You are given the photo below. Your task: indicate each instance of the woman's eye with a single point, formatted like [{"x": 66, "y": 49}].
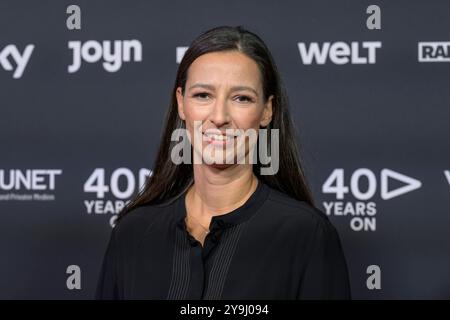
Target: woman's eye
[
  {"x": 201, "y": 95},
  {"x": 244, "y": 99}
]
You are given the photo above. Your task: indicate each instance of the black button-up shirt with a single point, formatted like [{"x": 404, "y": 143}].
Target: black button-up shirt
[{"x": 272, "y": 247}]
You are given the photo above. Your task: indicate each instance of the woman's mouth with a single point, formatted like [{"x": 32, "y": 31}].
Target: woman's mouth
[{"x": 218, "y": 139}]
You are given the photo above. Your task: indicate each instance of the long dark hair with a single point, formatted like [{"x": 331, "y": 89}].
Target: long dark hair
[{"x": 169, "y": 180}]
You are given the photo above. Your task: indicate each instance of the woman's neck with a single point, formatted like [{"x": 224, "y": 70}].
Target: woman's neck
[{"x": 216, "y": 192}]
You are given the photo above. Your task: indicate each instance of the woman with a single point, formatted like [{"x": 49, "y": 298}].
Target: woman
[{"x": 220, "y": 230}]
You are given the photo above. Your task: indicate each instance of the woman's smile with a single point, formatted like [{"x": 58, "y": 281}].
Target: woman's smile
[{"x": 219, "y": 139}]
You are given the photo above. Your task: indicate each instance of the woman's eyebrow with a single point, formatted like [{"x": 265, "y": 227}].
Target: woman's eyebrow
[
  {"x": 202, "y": 85},
  {"x": 239, "y": 88},
  {"x": 211, "y": 87}
]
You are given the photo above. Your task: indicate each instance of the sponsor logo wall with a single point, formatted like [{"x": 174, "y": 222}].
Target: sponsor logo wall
[{"x": 85, "y": 86}]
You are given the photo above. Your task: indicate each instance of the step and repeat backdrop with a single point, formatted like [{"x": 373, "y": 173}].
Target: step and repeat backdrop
[{"x": 84, "y": 87}]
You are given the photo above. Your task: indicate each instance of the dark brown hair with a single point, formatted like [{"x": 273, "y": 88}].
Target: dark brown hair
[{"x": 169, "y": 180}]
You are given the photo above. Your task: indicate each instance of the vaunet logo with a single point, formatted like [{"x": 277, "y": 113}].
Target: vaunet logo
[{"x": 28, "y": 185}]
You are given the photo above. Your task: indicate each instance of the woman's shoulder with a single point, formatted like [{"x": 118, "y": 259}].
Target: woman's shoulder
[
  {"x": 299, "y": 214},
  {"x": 139, "y": 220}
]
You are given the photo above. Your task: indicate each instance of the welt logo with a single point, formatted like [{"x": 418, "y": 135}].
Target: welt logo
[{"x": 339, "y": 52}]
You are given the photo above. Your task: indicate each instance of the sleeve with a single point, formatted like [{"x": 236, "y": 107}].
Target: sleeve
[
  {"x": 107, "y": 281},
  {"x": 325, "y": 273}
]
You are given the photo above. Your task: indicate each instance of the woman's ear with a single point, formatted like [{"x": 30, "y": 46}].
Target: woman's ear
[
  {"x": 179, "y": 94},
  {"x": 267, "y": 113}
]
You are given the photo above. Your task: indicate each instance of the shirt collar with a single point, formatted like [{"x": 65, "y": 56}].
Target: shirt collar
[{"x": 234, "y": 217}]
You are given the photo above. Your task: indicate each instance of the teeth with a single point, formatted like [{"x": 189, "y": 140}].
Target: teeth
[{"x": 219, "y": 137}]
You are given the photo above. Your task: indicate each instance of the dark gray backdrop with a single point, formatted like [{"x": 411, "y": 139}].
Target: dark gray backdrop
[{"x": 393, "y": 114}]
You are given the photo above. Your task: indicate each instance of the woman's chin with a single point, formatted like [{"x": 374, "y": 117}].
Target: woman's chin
[
  {"x": 217, "y": 163},
  {"x": 221, "y": 166}
]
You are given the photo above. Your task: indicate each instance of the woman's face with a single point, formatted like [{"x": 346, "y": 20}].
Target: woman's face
[{"x": 223, "y": 91}]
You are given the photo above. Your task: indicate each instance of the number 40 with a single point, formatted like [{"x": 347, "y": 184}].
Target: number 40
[
  {"x": 96, "y": 182},
  {"x": 335, "y": 184}
]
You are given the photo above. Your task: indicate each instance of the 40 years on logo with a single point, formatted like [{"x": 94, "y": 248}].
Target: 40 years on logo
[
  {"x": 112, "y": 190},
  {"x": 363, "y": 211}
]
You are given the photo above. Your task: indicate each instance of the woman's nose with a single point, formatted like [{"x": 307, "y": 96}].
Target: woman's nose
[{"x": 220, "y": 113}]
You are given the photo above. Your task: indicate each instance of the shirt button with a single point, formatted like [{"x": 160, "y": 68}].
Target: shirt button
[{"x": 194, "y": 243}]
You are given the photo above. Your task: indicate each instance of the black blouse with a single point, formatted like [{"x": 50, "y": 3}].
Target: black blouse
[{"x": 272, "y": 247}]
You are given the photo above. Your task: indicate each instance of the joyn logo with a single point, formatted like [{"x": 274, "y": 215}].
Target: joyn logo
[
  {"x": 339, "y": 52},
  {"x": 434, "y": 51},
  {"x": 21, "y": 60},
  {"x": 92, "y": 51}
]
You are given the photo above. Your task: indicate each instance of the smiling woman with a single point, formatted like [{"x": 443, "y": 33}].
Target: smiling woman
[
  {"x": 215, "y": 230},
  {"x": 223, "y": 93}
]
